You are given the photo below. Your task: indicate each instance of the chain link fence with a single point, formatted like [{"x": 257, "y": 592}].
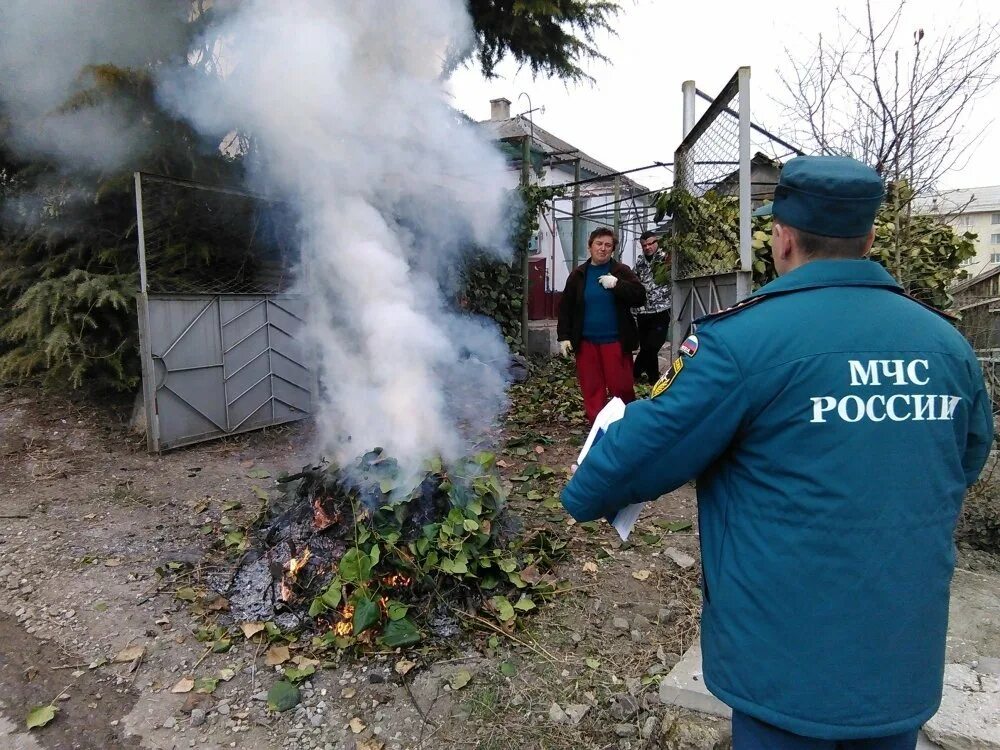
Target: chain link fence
[
  {"x": 712, "y": 164},
  {"x": 200, "y": 239}
]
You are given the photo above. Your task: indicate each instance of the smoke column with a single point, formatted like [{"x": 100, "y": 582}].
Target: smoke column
[{"x": 391, "y": 186}]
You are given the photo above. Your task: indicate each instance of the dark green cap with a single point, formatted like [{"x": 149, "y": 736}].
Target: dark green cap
[{"x": 832, "y": 196}]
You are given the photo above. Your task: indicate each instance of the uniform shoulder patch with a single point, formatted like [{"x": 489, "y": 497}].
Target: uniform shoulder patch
[
  {"x": 668, "y": 378},
  {"x": 690, "y": 346},
  {"x": 738, "y": 307}
]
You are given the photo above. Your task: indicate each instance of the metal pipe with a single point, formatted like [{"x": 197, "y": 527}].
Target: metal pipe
[
  {"x": 525, "y": 265},
  {"x": 577, "y": 223},
  {"x": 744, "y": 278}
]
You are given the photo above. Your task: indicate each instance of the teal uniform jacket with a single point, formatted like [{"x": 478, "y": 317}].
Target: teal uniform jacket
[{"x": 833, "y": 425}]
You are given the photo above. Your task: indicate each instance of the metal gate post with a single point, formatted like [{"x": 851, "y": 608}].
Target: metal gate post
[
  {"x": 744, "y": 279},
  {"x": 677, "y": 333},
  {"x": 145, "y": 354}
]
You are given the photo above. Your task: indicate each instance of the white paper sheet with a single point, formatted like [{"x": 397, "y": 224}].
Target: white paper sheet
[{"x": 614, "y": 410}]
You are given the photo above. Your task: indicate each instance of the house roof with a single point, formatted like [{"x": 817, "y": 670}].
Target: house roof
[
  {"x": 518, "y": 127},
  {"x": 963, "y": 200},
  {"x": 967, "y": 284}
]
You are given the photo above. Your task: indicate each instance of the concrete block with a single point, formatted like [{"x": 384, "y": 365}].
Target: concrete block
[
  {"x": 969, "y": 717},
  {"x": 542, "y": 337},
  {"x": 685, "y": 688}
]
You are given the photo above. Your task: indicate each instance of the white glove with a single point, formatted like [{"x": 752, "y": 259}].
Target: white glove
[
  {"x": 566, "y": 348},
  {"x": 608, "y": 281}
]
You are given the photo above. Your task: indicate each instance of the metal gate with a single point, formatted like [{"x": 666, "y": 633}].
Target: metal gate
[
  {"x": 219, "y": 336},
  {"x": 714, "y": 155}
]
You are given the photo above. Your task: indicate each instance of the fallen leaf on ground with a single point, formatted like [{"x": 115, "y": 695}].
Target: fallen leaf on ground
[
  {"x": 227, "y": 674},
  {"x": 348, "y": 693},
  {"x": 219, "y": 604},
  {"x": 590, "y": 567},
  {"x": 356, "y": 725},
  {"x": 282, "y": 696},
  {"x": 403, "y": 666},
  {"x": 40, "y": 716},
  {"x": 131, "y": 653},
  {"x": 184, "y": 685},
  {"x": 371, "y": 745},
  {"x": 593, "y": 663},
  {"x": 205, "y": 685},
  {"x": 304, "y": 661},
  {"x": 640, "y": 575},
  {"x": 250, "y": 629},
  {"x": 276, "y": 655},
  {"x": 460, "y": 679}
]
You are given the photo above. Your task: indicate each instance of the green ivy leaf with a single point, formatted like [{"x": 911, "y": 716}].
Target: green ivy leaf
[
  {"x": 205, "y": 685},
  {"x": 524, "y": 604},
  {"x": 282, "y": 696},
  {"x": 366, "y": 614},
  {"x": 401, "y": 632},
  {"x": 397, "y": 610},
  {"x": 460, "y": 679},
  {"x": 39, "y": 716},
  {"x": 355, "y": 566},
  {"x": 297, "y": 675},
  {"x": 504, "y": 609},
  {"x": 334, "y": 593}
]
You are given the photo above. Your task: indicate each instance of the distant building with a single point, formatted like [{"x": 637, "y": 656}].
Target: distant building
[
  {"x": 977, "y": 301},
  {"x": 764, "y": 174},
  {"x": 555, "y": 160},
  {"x": 975, "y": 210}
]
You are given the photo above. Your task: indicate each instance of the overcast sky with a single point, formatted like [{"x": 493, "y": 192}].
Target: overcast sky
[{"x": 631, "y": 115}]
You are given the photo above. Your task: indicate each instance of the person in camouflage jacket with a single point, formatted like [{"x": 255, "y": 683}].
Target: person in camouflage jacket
[{"x": 653, "y": 318}]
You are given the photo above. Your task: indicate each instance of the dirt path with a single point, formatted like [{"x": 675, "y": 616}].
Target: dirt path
[{"x": 89, "y": 517}]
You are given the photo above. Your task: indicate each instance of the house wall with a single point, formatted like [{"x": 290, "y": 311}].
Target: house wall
[{"x": 985, "y": 224}]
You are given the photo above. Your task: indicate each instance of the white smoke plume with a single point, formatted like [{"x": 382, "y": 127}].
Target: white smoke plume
[
  {"x": 45, "y": 45},
  {"x": 345, "y": 102}
]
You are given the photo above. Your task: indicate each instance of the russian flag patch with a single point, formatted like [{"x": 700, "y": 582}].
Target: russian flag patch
[{"x": 690, "y": 346}]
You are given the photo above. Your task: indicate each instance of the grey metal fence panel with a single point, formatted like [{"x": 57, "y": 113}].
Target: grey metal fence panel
[
  {"x": 703, "y": 296},
  {"x": 222, "y": 367},
  {"x": 714, "y": 156},
  {"x": 216, "y": 361}
]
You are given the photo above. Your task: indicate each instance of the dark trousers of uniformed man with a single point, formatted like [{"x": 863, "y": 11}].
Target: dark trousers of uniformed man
[{"x": 653, "y": 329}]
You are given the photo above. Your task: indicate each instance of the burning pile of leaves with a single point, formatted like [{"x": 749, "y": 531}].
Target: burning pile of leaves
[{"x": 361, "y": 555}]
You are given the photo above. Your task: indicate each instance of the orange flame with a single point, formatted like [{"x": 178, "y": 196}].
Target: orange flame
[
  {"x": 294, "y": 565},
  {"x": 397, "y": 580},
  {"x": 346, "y": 626},
  {"x": 321, "y": 519},
  {"x": 292, "y": 568}
]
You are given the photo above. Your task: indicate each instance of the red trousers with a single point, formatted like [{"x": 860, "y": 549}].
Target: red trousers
[{"x": 604, "y": 371}]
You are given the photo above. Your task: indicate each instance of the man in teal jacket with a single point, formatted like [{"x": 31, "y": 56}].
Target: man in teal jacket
[{"x": 833, "y": 425}]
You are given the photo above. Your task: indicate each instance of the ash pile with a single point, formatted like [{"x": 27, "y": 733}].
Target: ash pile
[{"x": 361, "y": 555}]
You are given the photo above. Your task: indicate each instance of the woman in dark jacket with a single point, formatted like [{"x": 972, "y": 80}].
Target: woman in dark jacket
[{"x": 596, "y": 322}]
